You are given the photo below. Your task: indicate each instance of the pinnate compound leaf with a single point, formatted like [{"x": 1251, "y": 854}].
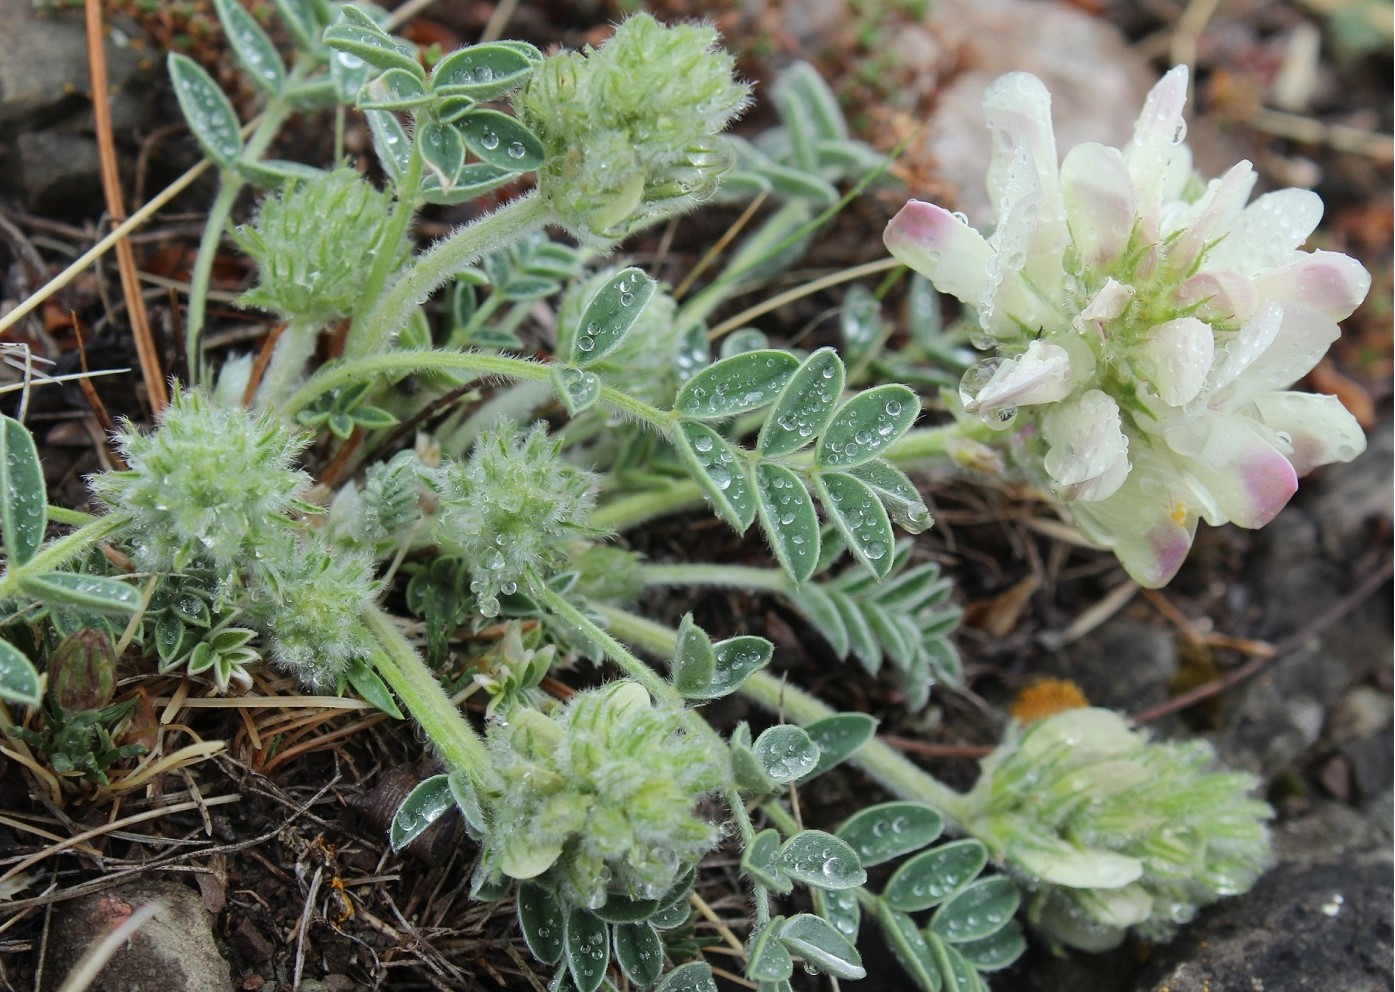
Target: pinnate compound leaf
[
  {"x": 424, "y": 805},
  {"x": 540, "y": 919},
  {"x": 587, "y": 949},
  {"x": 996, "y": 951},
  {"x": 206, "y": 109},
  {"x": 695, "y": 977},
  {"x": 838, "y": 737},
  {"x": 978, "y": 910},
  {"x": 88, "y": 593},
  {"x": 721, "y": 472},
  {"x": 735, "y": 385},
  {"x": 788, "y": 518},
  {"x": 19, "y": 680},
  {"x": 501, "y": 141},
  {"x": 610, "y": 314},
  {"x": 251, "y": 46},
  {"x": 866, "y": 425},
  {"x": 909, "y": 946},
  {"x": 821, "y": 860},
  {"x": 860, "y": 518},
  {"x": 931, "y": 877},
  {"x": 767, "y": 960},
  {"x": 640, "y": 952},
  {"x": 484, "y": 72},
  {"x": 821, "y": 946},
  {"x": 886, "y": 831},
  {"x": 23, "y": 495},
  {"x": 786, "y": 753},
  {"x": 805, "y": 406}
]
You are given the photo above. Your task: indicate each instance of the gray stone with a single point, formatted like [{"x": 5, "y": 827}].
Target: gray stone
[
  {"x": 173, "y": 950},
  {"x": 53, "y": 171}
]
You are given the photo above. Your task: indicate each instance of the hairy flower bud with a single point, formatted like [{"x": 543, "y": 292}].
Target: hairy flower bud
[
  {"x": 598, "y": 800},
  {"x": 630, "y": 128},
  {"x": 82, "y": 670},
  {"x": 1112, "y": 831}
]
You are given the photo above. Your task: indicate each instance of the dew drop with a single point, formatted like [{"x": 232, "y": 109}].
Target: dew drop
[{"x": 489, "y": 140}]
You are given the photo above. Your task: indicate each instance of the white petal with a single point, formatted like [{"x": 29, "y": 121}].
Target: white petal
[
  {"x": 1086, "y": 445},
  {"x": 1331, "y": 283},
  {"x": 1210, "y": 218},
  {"x": 1245, "y": 348},
  {"x": 1017, "y": 109},
  {"x": 1268, "y": 231},
  {"x": 1176, "y": 358},
  {"x": 1303, "y": 337},
  {"x": 1222, "y": 296},
  {"x": 1159, "y": 131},
  {"x": 1042, "y": 374},
  {"x": 1320, "y": 430},
  {"x": 1098, "y": 198},
  {"x": 1147, "y": 523},
  {"x": 944, "y": 249},
  {"x": 1245, "y": 479}
]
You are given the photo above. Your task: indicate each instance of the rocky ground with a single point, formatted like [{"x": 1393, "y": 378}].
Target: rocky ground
[{"x": 273, "y": 867}]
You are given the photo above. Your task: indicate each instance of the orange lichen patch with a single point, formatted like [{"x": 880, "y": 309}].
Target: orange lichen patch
[{"x": 1045, "y": 697}]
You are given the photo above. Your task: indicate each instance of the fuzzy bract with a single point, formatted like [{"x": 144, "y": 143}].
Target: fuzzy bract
[{"x": 1146, "y": 326}]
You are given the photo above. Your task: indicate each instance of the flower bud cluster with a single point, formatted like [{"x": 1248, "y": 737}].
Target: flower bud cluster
[
  {"x": 1146, "y": 325},
  {"x": 598, "y": 799},
  {"x": 630, "y": 128},
  {"x": 1112, "y": 831},
  {"x": 511, "y": 508},
  {"x": 315, "y": 243}
]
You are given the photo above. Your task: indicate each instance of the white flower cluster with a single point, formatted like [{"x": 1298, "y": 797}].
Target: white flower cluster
[{"x": 1146, "y": 326}]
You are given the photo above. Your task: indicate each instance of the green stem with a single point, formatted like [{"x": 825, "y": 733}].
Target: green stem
[
  {"x": 747, "y": 830},
  {"x": 403, "y": 210},
  {"x": 58, "y": 552},
  {"x": 403, "y": 670},
  {"x": 436, "y": 266},
  {"x": 293, "y": 349},
  {"x": 889, "y": 767},
  {"x": 403, "y": 362},
  {"x": 723, "y": 576}
]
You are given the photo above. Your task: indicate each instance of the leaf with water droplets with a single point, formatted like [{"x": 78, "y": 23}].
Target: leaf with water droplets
[
  {"x": 737, "y": 658},
  {"x": 540, "y": 919},
  {"x": 694, "y": 661},
  {"x": 821, "y": 860},
  {"x": 467, "y": 800},
  {"x": 90, "y": 593},
  {"x": 860, "y": 322},
  {"x": 639, "y": 952},
  {"x": 621, "y": 909},
  {"x": 788, "y": 518},
  {"x": 745, "y": 339},
  {"x": 838, "y": 737},
  {"x": 898, "y": 494},
  {"x": 442, "y": 151},
  {"x": 735, "y": 385},
  {"x": 931, "y": 877},
  {"x": 358, "y": 37},
  {"x": 805, "y": 406},
  {"x": 424, "y": 805},
  {"x": 576, "y": 388},
  {"x": 588, "y": 949},
  {"x": 300, "y": 19},
  {"x": 821, "y": 946},
  {"x": 867, "y": 425},
  {"x": 206, "y": 109},
  {"x": 720, "y": 469},
  {"x": 484, "y": 72},
  {"x": 610, "y": 314},
  {"x": 501, "y": 140},
  {"x": 758, "y": 861},
  {"x": 786, "y": 753},
  {"x": 23, "y": 494},
  {"x": 959, "y": 975},
  {"x": 818, "y": 608},
  {"x": 908, "y": 944},
  {"x": 251, "y": 46},
  {"x": 695, "y": 977},
  {"x": 19, "y": 680},
  {"x": 471, "y": 182},
  {"x": 396, "y": 89},
  {"x": 995, "y": 951},
  {"x": 841, "y": 908},
  {"x": 888, "y": 830},
  {"x": 978, "y": 910},
  {"x": 860, "y": 518},
  {"x": 767, "y": 960},
  {"x": 371, "y": 688}
]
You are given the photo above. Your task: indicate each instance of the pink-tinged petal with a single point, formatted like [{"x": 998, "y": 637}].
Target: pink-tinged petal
[
  {"x": 1319, "y": 429},
  {"x": 1111, "y": 301},
  {"x": 1042, "y": 374},
  {"x": 1242, "y": 478},
  {"x": 1268, "y": 232},
  {"x": 1303, "y": 338},
  {"x": 1017, "y": 109},
  {"x": 1098, "y": 197},
  {"x": 1176, "y": 358},
  {"x": 1327, "y": 281},
  {"x": 1086, "y": 445},
  {"x": 1222, "y": 296},
  {"x": 1147, "y": 524},
  {"x": 1160, "y": 129},
  {"x": 1210, "y": 217},
  {"x": 944, "y": 249}
]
